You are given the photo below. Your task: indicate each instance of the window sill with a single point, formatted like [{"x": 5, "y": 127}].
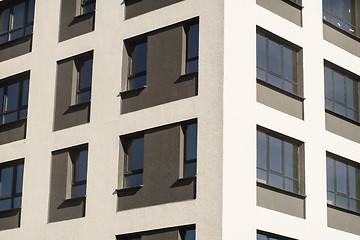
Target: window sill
[
  {"x": 282, "y": 91},
  {"x": 279, "y": 190},
  {"x": 74, "y": 198},
  {"x": 294, "y": 4},
  {"x": 187, "y": 178},
  {"x": 129, "y": 188},
  {"x": 13, "y": 42},
  {"x": 354, "y": 37},
  {"x": 132, "y": 92},
  {"x": 329, "y": 205},
  {"x": 85, "y": 15},
  {"x": 13, "y": 123},
  {"x": 79, "y": 105},
  {"x": 342, "y": 117},
  {"x": 10, "y": 210}
]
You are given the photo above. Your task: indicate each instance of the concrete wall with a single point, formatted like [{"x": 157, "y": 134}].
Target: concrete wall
[{"x": 137, "y": 7}]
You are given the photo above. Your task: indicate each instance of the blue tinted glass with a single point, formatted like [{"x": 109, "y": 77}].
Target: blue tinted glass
[
  {"x": 25, "y": 93},
  {"x": 276, "y": 180},
  {"x": 192, "y": 66},
  {"x": 260, "y": 51},
  {"x": 290, "y": 162},
  {"x": 133, "y": 180},
  {"x": 326, "y": 5},
  {"x": 328, "y": 85},
  {"x": 17, "y": 202},
  {"x": 190, "y": 169},
  {"x": 84, "y": 97},
  {"x": 330, "y": 197},
  {"x": 87, "y": 74},
  {"x": 190, "y": 234},
  {"x": 193, "y": 41},
  {"x": 274, "y": 57},
  {"x": 3, "y": 38},
  {"x": 341, "y": 177},
  {"x": 79, "y": 191},
  {"x": 140, "y": 57},
  {"x": 341, "y": 201},
  {"x": 28, "y": 30},
  {"x": 260, "y": 237},
  {"x": 261, "y": 150},
  {"x": 291, "y": 185},
  {"x": 275, "y": 154},
  {"x": 336, "y": 7},
  {"x": 1, "y": 99},
  {"x": 10, "y": 117},
  {"x": 352, "y": 181},
  {"x": 348, "y": 11},
  {"x": 16, "y": 34},
  {"x": 330, "y": 173},
  {"x": 351, "y": 88},
  {"x": 137, "y": 82},
  {"x": 274, "y": 80},
  {"x": 288, "y": 63},
  {"x": 5, "y": 204},
  {"x": 18, "y": 15},
  {"x": 81, "y": 166},
  {"x": 89, "y": 8},
  {"x": 339, "y": 87},
  {"x": 23, "y": 114},
  {"x": 6, "y": 181},
  {"x": 30, "y": 16},
  {"x": 136, "y": 160},
  {"x": 12, "y": 96},
  {"x": 191, "y": 141},
  {"x": 261, "y": 175},
  {"x": 19, "y": 178},
  {"x": 4, "y": 20}
]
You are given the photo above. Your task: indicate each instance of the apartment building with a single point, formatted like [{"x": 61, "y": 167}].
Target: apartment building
[{"x": 179, "y": 119}]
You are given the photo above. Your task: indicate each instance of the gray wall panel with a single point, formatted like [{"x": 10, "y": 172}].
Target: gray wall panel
[
  {"x": 13, "y": 131},
  {"x": 10, "y": 219},
  {"x": 342, "y": 127},
  {"x": 137, "y": 7},
  {"x": 343, "y": 221},
  {"x": 16, "y": 48}
]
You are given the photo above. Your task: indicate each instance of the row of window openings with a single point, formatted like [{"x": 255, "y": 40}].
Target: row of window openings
[
  {"x": 138, "y": 57},
  {"x": 279, "y": 164}
]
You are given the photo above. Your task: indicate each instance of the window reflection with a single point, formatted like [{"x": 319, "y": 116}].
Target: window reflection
[{"x": 341, "y": 13}]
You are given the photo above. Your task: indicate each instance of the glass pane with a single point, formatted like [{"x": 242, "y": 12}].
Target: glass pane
[
  {"x": 84, "y": 97},
  {"x": 276, "y": 180},
  {"x": 291, "y": 185},
  {"x": 193, "y": 41},
  {"x": 4, "y": 20},
  {"x": 190, "y": 234},
  {"x": 190, "y": 169},
  {"x": 326, "y": 5},
  {"x": 274, "y": 57},
  {"x": 136, "y": 157},
  {"x": 4, "y": 38},
  {"x": 348, "y": 11},
  {"x": 340, "y": 169},
  {"x": 328, "y": 104},
  {"x": 137, "y": 82},
  {"x": 330, "y": 173},
  {"x": 349, "y": 28},
  {"x": 25, "y": 93},
  {"x": 326, "y": 16},
  {"x": 340, "y": 109},
  {"x": 133, "y": 180},
  {"x": 261, "y": 74},
  {"x": 261, "y": 150},
  {"x": 5, "y": 204},
  {"x": 11, "y": 117},
  {"x": 260, "y": 51},
  {"x": 352, "y": 181},
  {"x": 341, "y": 201},
  {"x": 290, "y": 160},
  {"x": 18, "y": 15},
  {"x": 274, "y": 80},
  {"x": 6, "y": 181},
  {"x": 30, "y": 17},
  {"x": 261, "y": 176},
  {"x": 261, "y": 237},
  {"x": 339, "y": 87},
  {"x": 336, "y": 7},
  {"x": 89, "y": 8},
  {"x": 290, "y": 87},
  {"x": 140, "y": 57},
  {"x": 16, "y": 34},
  {"x": 288, "y": 63},
  {"x": 351, "y": 92},
  {"x": 28, "y": 30},
  {"x": 23, "y": 114},
  {"x": 337, "y": 22},
  {"x": 192, "y": 66},
  {"x": 86, "y": 74},
  {"x": 79, "y": 191},
  {"x": 1, "y": 99},
  {"x": 275, "y": 154},
  {"x": 17, "y": 202},
  {"x": 191, "y": 141},
  {"x": 352, "y": 205},
  {"x": 330, "y": 198},
  {"x": 328, "y": 84},
  {"x": 81, "y": 166},
  {"x": 350, "y": 114},
  {"x": 12, "y": 96},
  {"x": 19, "y": 178}
]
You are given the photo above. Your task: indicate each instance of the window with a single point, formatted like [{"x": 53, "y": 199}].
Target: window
[
  {"x": 84, "y": 79},
  {"x": 190, "y": 149},
  {"x": 278, "y": 162},
  {"x": 276, "y": 63},
  {"x": 79, "y": 159},
  {"x": 16, "y": 21},
  {"x": 137, "y": 65},
  {"x": 14, "y": 101},
  {"x": 11, "y": 179},
  {"x": 343, "y": 183},
  {"x": 87, "y": 6},
  {"x": 270, "y": 236},
  {"x": 134, "y": 162},
  {"x": 341, "y": 92},
  {"x": 192, "y": 48},
  {"x": 340, "y": 13},
  {"x": 187, "y": 233}
]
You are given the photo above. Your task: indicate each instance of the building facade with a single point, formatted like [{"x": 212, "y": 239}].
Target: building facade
[{"x": 179, "y": 119}]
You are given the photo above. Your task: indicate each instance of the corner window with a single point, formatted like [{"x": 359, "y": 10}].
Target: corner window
[
  {"x": 137, "y": 65},
  {"x": 278, "y": 162},
  {"x": 87, "y": 6},
  {"x": 11, "y": 179},
  {"x": 16, "y": 21},
  {"x": 341, "y": 13},
  {"x": 343, "y": 183},
  {"x": 13, "y": 101},
  {"x": 192, "y": 48},
  {"x": 84, "y": 79},
  {"x": 79, "y": 159},
  {"x": 190, "y": 149},
  {"x": 277, "y": 63},
  {"x": 134, "y": 162},
  {"x": 341, "y": 92}
]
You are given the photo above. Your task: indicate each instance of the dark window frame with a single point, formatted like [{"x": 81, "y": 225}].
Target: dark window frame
[
  {"x": 192, "y": 160},
  {"x": 75, "y": 158},
  {"x": 127, "y": 144},
  {"x": 191, "y": 59},
  {"x": 274, "y": 236},
  {"x": 14, "y": 194},
  {"x": 297, "y": 81},
  {"x": 299, "y": 154},
  {"x": 341, "y": 19},
  {"x": 132, "y": 74},
  {"x": 79, "y": 63}
]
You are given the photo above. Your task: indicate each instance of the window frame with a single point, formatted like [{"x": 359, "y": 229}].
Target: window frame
[
  {"x": 188, "y": 59},
  {"x": 297, "y": 73},
  {"x": 342, "y": 18},
  {"x": 272, "y": 236},
  {"x": 14, "y": 164},
  {"x": 79, "y": 63},
  {"x": 186, "y": 161},
  {"x": 127, "y": 147},
  {"x": 300, "y": 162},
  {"x": 131, "y": 51},
  {"x": 84, "y": 4},
  {"x": 74, "y": 154}
]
